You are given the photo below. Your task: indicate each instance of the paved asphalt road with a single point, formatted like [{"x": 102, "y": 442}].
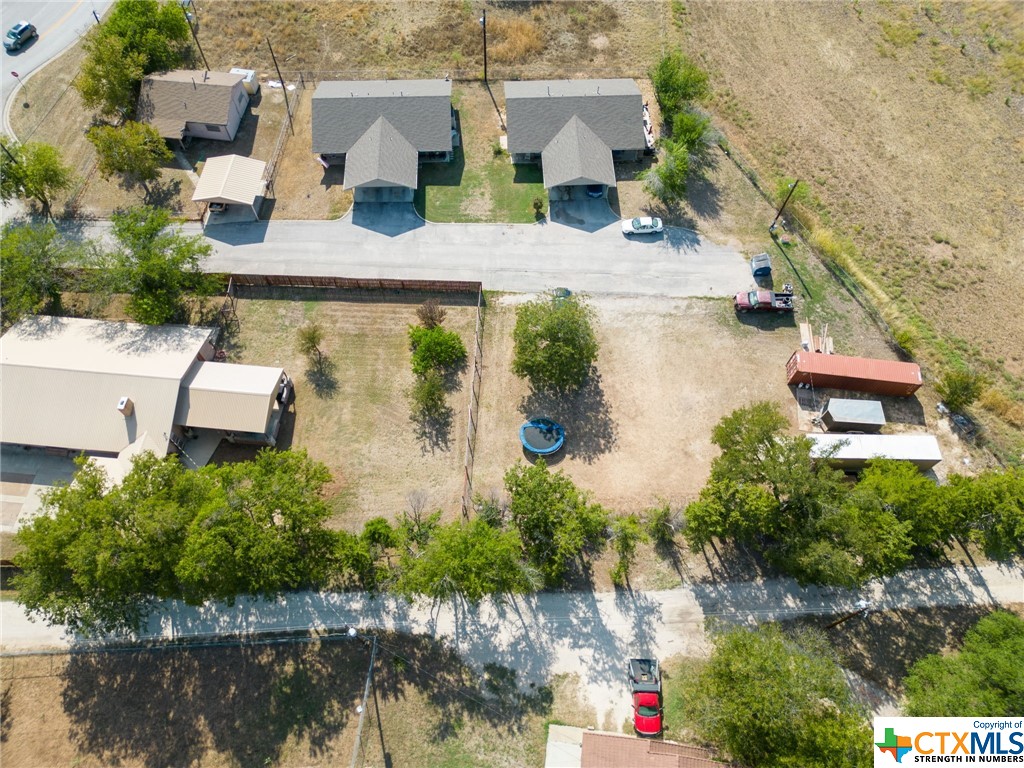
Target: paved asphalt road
[
  {"x": 588, "y": 633},
  {"x": 60, "y": 24},
  {"x": 590, "y": 254}
]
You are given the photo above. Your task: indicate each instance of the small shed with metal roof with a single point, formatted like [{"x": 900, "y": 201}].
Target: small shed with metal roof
[{"x": 232, "y": 180}]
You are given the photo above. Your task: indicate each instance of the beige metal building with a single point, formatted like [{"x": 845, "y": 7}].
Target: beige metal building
[
  {"x": 117, "y": 389},
  {"x": 232, "y": 180}
]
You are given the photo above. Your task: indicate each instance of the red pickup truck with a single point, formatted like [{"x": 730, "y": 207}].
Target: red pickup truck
[
  {"x": 645, "y": 685},
  {"x": 763, "y": 301}
]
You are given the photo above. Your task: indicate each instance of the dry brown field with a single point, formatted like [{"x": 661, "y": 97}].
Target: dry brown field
[
  {"x": 290, "y": 705},
  {"x": 356, "y": 419},
  {"x": 905, "y": 121}
]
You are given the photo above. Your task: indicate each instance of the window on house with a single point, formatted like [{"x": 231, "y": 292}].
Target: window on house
[
  {"x": 213, "y": 128},
  {"x": 241, "y": 97}
]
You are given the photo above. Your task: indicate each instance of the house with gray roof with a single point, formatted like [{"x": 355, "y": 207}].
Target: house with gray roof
[
  {"x": 576, "y": 129},
  {"x": 189, "y": 103},
  {"x": 381, "y": 130}
]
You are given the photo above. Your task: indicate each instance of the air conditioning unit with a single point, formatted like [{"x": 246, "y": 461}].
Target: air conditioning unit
[{"x": 125, "y": 405}]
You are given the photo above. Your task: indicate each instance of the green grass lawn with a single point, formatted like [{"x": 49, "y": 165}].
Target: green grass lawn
[
  {"x": 477, "y": 185},
  {"x": 495, "y": 191}
]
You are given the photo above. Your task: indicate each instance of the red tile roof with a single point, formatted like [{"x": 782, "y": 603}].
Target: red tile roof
[{"x": 610, "y": 750}]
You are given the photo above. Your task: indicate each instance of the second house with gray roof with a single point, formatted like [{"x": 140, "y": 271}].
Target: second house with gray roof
[
  {"x": 576, "y": 129},
  {"x": 381, "y": 130}
]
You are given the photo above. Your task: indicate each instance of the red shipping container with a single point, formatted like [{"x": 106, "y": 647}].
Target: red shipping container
[{"x": 863, "y": 374}]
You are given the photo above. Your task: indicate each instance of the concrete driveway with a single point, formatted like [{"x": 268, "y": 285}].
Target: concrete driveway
[{"x": 391, "y": 241}]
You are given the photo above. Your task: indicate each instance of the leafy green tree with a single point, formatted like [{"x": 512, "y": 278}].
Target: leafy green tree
[
  {"x": 556, "y": 521},
  {"x": 959, "y": 388},
  {"x": 773, "y": 699},
  {"x": 627, "y": 533},
  {"x": 984, "y": 678},
  {"x": 110, "y": 75},
  {"x": 677, "y": 82},
  {"x": 555, "y": 344},
  {"x": 661, "y": 525},
  {"x": 766, "y": 490},
  {"x": 32, "y": 261},
  {"x": 468, "y": 561},
  {"x": 97, "y": 560},
  {"x": 33, "y": 170},
  {"x": 435, "y": 348},
  {"x": 898, "y": 487},
  {"x": 666, "y": 180},
  {"x": 135, "y": 151},
  {"x": 264, "y": 535},
  {"x": 157, "y": 265},
  {"x": 988, "y": 509},
  {"x": 138, "y": 37}
]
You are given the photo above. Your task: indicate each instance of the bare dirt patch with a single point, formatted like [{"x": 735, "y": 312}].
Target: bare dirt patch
[
  {"x": 359, "y": 424},
  {"x": 667, "y": 372},
  {"x": 303, "y": 188}
]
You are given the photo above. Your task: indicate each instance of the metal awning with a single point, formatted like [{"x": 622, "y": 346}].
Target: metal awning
[{"x": 230, "y": 179}]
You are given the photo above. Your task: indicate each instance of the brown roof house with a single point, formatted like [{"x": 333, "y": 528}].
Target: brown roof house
[
  {"x": 190, "y": 103},
  {"x": 576, "y": 129},
  {"x": 114, "y": 390},
  {"x": 381, "y": 130}
]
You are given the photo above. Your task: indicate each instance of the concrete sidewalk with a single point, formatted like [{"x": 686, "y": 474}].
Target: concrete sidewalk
[{"x": 550, "y": 633}]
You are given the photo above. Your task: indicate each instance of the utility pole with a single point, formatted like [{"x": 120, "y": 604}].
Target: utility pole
[
  {"x": 792, "y": 189},
  {"x": 483, "y": 23},
  {"x": 287, "y": 106},
  {"x": 192, "y": 29},
  {"x": 862, "y": 605},
  {"x": 8, "y": 153},
  {"x": 366, "y": 691}
]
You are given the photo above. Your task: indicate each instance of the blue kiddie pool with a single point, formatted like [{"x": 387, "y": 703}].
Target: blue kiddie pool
[{"x": 542, "y": 436}]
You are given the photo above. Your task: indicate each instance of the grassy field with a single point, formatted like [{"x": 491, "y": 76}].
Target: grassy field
[
  {"x": 479, "y": 184},
  {"x": 924, "y": 208},
  {"x": 288, "y": 705}
]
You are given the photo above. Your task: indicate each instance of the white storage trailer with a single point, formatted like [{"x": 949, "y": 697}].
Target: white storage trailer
[{"x": 853, "y": 452}]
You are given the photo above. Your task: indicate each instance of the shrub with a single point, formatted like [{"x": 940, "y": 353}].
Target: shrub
[
  {"x": 997, "y": 402},
  {"x": 431, "y": 314},
  {"x": 538, "y": 206},
  {"x": 435, "y": 348},
  {"x": 960, "y": 387},
  {"x": 311, "y": 336},
  {"x": 427, "y": 397},
  {"x": 661, "y": 525}
]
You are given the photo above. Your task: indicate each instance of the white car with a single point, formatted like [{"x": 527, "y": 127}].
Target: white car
[{"x": 641, "y": 225}]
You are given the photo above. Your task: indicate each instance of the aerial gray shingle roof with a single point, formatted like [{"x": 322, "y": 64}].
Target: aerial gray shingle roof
[
  {"x": 536, "y": 110},
  {"x": 169, "y": 100},
  {"x": 577, "y": 156},
  {"x": 420, "y": 110},
  {"x": 381, "y": 157}
]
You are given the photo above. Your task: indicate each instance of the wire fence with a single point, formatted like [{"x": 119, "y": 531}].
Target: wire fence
[{"x": 474, "y": 407}]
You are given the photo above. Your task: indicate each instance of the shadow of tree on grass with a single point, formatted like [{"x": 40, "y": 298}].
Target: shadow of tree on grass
[{"x": 590, "y": 430}]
